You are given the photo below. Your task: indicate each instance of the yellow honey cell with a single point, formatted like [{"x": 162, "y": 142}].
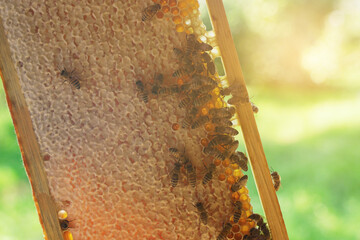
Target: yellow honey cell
[
  {"x": 226, "y": 163},
  {"x": 218, "y": 104},
  {"x": 237, "y": 172},
  {"x": 175, "y": 126},
  {"x": 182, "y": 5},
  {"x": 222, "y": 177},
  {"x": 184, "y": 13},
  {"x": 235, "y": 196},
  {"x": 246, "y": 205},
  {"x": 244, "y": 229},
  {"x": 68, "y": 235},
  {"x": 228, "y": 171},
  {"x": 177, "y": 19},
  {"x": 204, "y": 142},
  {"x": 242, "y": 221},
  {"x": 238, "y": 236},
  {"x": 209, "y": 127},
  {"x": 180, "y": 81},
  {"x": 172, "y": 3},
  {"x": 244, "y": 190},
  {"x": 179, "y": 28},
  {"x": 216, "y": 91},
  {"x": 231, "y": 179},
  {"x": 189, "y": 30},
  {"x": 163, "y": 2},
  {"x": 243, "y": 197},
  {"x": 62, "y": 214},
  {"x": 204, "y": 111},
  {"x": 159, "y": 14},
  {"x": 210, "y": 105},
  {"x": 217, "y": 162},
  {"x": 175, "y": 11},
  {"x": 165, "y": 9}
]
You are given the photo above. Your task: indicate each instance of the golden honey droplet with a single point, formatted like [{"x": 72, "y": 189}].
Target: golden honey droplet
[
  {"x": 218, "y": 104},
  {"x": 68, "y": 235},
  {"x": 222, "y": 177},
  {"x": 246, "y": 206},
  {"x": 204, "y": 142},
  {"x": 235, "y": 196},
  {"x": 179, "y": 28},
  {"x": 62, "y": 214},
  {"x": 243, "y": 197},
  {"x": 244, "y": 229},
  {"x": 175, "y": 126}
]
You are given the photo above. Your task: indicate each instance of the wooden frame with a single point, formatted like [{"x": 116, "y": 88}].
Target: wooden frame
[
  {"x": 247, "y": 122},
  {"x": 29, "y": 146}
]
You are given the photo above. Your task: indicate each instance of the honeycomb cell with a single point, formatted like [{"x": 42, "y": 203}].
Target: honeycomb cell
[
  {"x": 235, "y": 228},
  {"x": 244, "y": 229},
  {"x": 228, "y": 171},
  {"x": 163, "y": 2},
  {"x": 237, "y": 173},
  {"x": 175, "y": 11},
  {"x": 217, "y": 162},
  {"x": 184, "y": 12},
  {"x": 204, "y": 142},
  {"x": 62, "y": 214},
  {"x": 165, "y": 9},
  {"x": 231, "y": 179},
  {"x": 177, "y": 19},
  {"x": 209, "y": 127},
  {"x": 243, "y": 197},
  {"x": 204, "y": 111},
  {"x": 226, "y": 163},
  {"x": 230, "y": 235},
  {"x": 238, "y": 236},
  {"x": 222, "y": 177},
  {"x": 179, "y": 28},
  {"x": 218, "y": 104},
  {"x": 182, "y": 4},
  {"x": 244, "y": 190},
  {"x": 175, "y": 126},
  {"x": 180, "y": 82},
  {"x": 159, "y": 14},
  {"x": 246, "y": 205},
  {"x": 172, "y": 3}
]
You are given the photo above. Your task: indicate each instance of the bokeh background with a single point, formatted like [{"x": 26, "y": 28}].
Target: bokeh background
[{"x": 301, "y": 61}]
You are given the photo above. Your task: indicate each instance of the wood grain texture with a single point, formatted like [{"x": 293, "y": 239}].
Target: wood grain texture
[
  {"x": 29, "y": 147},
  {"x": 250, "y": 132}
]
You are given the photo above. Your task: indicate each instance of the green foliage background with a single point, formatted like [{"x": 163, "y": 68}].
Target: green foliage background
[{"x": 301, "y": 62}]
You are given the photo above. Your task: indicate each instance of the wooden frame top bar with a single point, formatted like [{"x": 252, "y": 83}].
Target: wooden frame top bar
[
  {"x": 29, "y": 147},
  {"x": 246, "y": 117}
]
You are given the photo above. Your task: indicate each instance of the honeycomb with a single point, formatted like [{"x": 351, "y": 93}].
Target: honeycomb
[{"x": 106, "y": 145}]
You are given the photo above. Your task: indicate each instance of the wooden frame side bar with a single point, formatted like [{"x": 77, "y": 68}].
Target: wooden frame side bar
[
  {"x": 248, "y": 125},
  {"x": 29, "y": 147}
]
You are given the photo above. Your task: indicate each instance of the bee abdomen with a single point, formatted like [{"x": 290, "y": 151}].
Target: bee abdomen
[
  {"x": 200, "y": 121},
  {"x": 150, "y": 12}
]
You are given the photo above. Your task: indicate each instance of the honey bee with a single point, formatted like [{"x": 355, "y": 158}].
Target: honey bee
[
  {"x": 226, "y": 130},
  {"x": 64, "y": 224},
  {"x": 70, "y": 77},
  {"x": 141, "y": 89},
  {"x": 276, "y": 180},
  {"x": 184, "y": 71},
  {"x": 237, "y": 213},
  {"x": 238, "y": 99},
  {"x": 222, "y": 112},
  {"x": 221, "y": 121},
  {"x": 189, "y": 118},
  {"x": 185, "y": 102},
  {"x": 191, "y": 172},
  {"x": 169, "y": 90},
  {"x": 175, "y": 152},
  {"x": 158, "y": 78},
  {"x": 241, "y": 182},
  {"x": 254, "y": 232},
  {"x": 254, "y": 107},
  {"x": 150, "y": 12},
  {"x": 220, "y": 140},
  {"x": 209, "y": 174},
  {"x": 211, "y": 67},
  {"x": 224, "y": 232},
  {"x": 225, "y": 91},
  {"x": 214, "y": 152},
  {"x": 190, "y": 43},
  {"x": 204, "y": 46},
  {"x": 265, "y": 230},
  {"x": 205, "y": 57},
  {"x": 203, "y": 214},
  {"x": 205, "y": 79},
  {"x": 202, "y": 100},
  {"x": 201, "y": 90},
  {"x": 178, "y": 53},
  {"x": 240, "y": 159},
  {"x": 257, "y": 218},
  {"x": 200, "y": 121},
  {"x": 175, "y": 173}
]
